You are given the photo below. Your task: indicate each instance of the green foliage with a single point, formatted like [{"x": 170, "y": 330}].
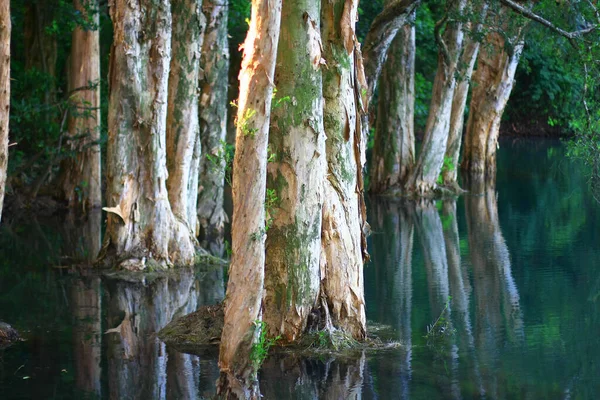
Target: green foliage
[
  {"x": 261, "y": 346},
  {"x": 441, "y": 327},
  {"x": 223, "y": 159},
  {"x": 447, "y": 166}
]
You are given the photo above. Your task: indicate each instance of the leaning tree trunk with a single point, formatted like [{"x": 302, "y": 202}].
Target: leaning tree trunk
[
  {"x": 80, "y": 179},
  {"x": 141, "y": 224},
  {"x": 493, "y": 83},
  {"x": 246, "y": 273},
  {"x": 423, "y": 180},
  {"x": 342, "y": 237},
  {"x": 183, "y": 135},
  {"x": 295, "y": 175},
  {"x": 394, "y": 149},
  {"x": 5, "y": 28},
  {"x": 213, "y": 125},
  {"x": 459, "y": 101}
]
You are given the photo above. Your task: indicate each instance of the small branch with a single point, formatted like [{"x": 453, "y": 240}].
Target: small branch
[{"x": 440, "y": 40}]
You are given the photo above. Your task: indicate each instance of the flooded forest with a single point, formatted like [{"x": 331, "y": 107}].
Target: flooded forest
[{"x": 299, "y": 199}]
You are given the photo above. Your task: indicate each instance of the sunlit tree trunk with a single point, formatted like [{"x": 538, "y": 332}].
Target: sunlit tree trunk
[
  {"x": 5, "y": 31},
  {"x": 342, "y": 237},
  {"x": 493, "y": 82},
  {"x": 213, "y": 125},
  {"x": 394, "y": 148},
  {"x": 423, "y": 179},
  {"x": 141, "y": 225},
  {"x": 295, "y": 174},
  {"x": 246, "y": 274},
  {"x": 80, "y": 180},
  {"x": 183, "y": 134}
]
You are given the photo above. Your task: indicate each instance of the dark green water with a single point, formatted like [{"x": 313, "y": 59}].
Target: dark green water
[{"x": 513, "y": 273}]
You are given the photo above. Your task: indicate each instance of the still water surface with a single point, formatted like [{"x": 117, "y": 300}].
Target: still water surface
[{"x": 513, "y": 272}]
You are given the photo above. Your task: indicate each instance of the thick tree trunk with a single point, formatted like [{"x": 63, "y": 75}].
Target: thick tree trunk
[
  {"x": 342, "y": 237},
  {"x": 493, "y": 83},
  {"x": 295, "y": 175},
  {"x": 423, "y": 180},
  {"x": 213, "y": 125},
  {"x": 141, "y": 224},
  {"x": 459, "y": 101},
  {"x": 246, "y": 273},
  {"x": 394, "y": 149},
  {"x": 5, "y": 31},
  {"x": 80, "y": 179},
  {"x": 183, "y": 134}
]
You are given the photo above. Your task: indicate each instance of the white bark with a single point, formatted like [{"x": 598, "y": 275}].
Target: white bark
[{"x": 5, "y": 31}]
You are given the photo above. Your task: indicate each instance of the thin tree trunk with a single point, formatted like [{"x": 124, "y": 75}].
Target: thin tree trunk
[
  {"x": 80, "y": 179},
  {"x": 246, "y": 274},
  {"x": 5, "y": 31},
  {"x": 493, "y": 83},
  {"x": 394, "y": 148},
  {"x": 342, "y": 237},
  {"x": 141, "y": 225},
  {"x": 295, "y": 175},
  {"x": 183, "y": 134},
  {"x": 213, "y": 125}
]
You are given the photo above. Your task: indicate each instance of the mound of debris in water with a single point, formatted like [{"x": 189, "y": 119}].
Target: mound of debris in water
[
  {"x": 200, "y": 328},
  {"x": 8, "y": 335}
]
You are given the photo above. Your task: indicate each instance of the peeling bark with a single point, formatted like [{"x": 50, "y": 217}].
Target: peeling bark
[
  {"x": 141, "y": 225},
  {"x": 295, "y": 175},
  {"x": 213, "y": 125},
  {"x": 246, "y": 273},
  {"x": 394, "y": 149},
  {"x": 5, "y": 31},
  {"x": 183, "y": 133},
  {"x": 80, "y": 180}
]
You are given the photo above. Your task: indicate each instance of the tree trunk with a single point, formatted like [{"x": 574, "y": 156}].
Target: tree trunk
[
  {"x": 342, "y": 237},
  {"x": 423, "y": 180},
  {"x": 246, "y": 273},
  {"x": 394, "y": 148},
  {"x": 80, "y": 180},
  {"x": 493, "y": 82},
  {"x": 213, "y": 125},
  {"x": 295, "y": 175},
  {"x": 459, "y": 101},
  {"x": 5, "y": 30},
  {"x": 141, "y": 224},
  {"x": 183, "y": 134}
]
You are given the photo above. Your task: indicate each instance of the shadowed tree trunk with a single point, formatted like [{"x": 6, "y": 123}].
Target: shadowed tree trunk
[
  {"x": 213, "y": 125},
  {"x": 493, "y": 83},
  {"x": 5, "y": 31},
  {"x": 295, "y": 175},
  {"x": 342, "y": 237},
  {"x": 246, "y": 274},
  {"x": 141, "y": 225},
  {"x": 80, "y": 180},
  {"x": 394, "y": 148},
  {"x": 183, "y": 134}
]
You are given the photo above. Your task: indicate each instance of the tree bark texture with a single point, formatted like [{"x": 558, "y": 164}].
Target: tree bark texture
[
  {"x": 295, "y": 174},
  {"x": 423, "y": 180},
  {"x": 141, "y": 224},
  {"x": 213, "y": 124},
  {"x": 80, "y": 179},
  {"x": 246, "y": 273},
  {"x": 183, "y": 133},
  {"x": 493, "y": 83},
  {"x": 342, "y": 237},
  {"x": 394, "y": 149},
  {"x": 5, "y": 31}
]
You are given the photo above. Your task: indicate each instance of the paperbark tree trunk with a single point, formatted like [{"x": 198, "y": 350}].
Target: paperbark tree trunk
[
  {"x": 5, "y": 31},
  {"x": 80, "y": 179},
  {"x": 213, "y": 125},
  {"x": 183, "y": 133},
  {"x": 295, "y": 175},
  {"x": 246, "y": 273},
  {"x": 342, "y": 238},
  {"x": 141, "y": 225},
  {"x": 493, "y": 83},
  {"x": 423, "y": 180},
  {"x": 394, "y": 149}
]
